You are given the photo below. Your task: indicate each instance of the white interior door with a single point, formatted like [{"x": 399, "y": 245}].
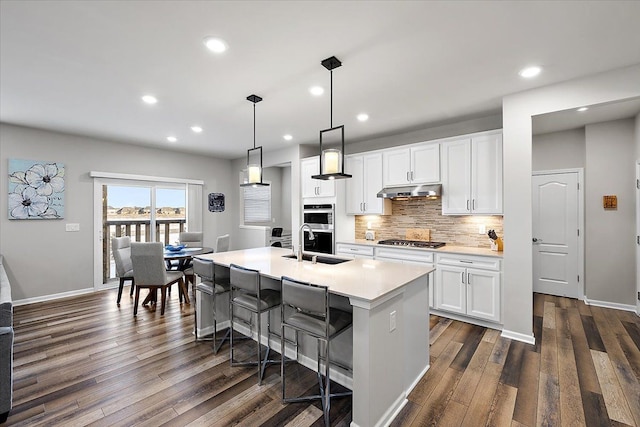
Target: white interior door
[{"x": 555, "y": 234}]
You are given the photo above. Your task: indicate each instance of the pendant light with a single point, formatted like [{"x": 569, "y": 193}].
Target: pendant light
[
  {"x": 332, "y": 159},
  {"x": 254, "y": 169}
]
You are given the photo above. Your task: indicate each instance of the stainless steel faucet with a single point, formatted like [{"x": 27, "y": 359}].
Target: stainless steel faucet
[{"x": 301, "y": 239}]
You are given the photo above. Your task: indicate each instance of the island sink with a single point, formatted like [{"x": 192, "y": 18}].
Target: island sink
[{"x": 320, "y": 259}]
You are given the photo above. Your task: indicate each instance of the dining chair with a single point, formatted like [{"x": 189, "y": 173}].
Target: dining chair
[
  {"x": 121, "y": 249},
  {"x": 313, "y": 316},
  {"x": 149, "y": 272},
  {"x": 222, "y": 243},
  {"x": 214, "y": 281},
  {"x": 191, "y": 239}
]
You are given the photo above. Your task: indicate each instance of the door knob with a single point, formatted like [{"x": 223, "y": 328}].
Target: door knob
[{"x": 536, "y": 240}]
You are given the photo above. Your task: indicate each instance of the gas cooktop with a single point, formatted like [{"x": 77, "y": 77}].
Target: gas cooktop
[{"x": 411, "y": 243}]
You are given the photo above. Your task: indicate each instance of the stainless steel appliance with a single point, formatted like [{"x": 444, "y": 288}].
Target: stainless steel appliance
[
  {"x": 412, "y": 243},
  {"x": 321, "y": 219}
]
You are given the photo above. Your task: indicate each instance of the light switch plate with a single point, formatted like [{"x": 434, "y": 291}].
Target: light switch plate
[
  {"x": 392, "y": 321},
  {"x": 72, "y": 227},
  {"x": 482, "y": 229}
]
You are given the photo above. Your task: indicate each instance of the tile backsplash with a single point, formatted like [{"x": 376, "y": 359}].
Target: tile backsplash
[{"x": 424, "y": 213}]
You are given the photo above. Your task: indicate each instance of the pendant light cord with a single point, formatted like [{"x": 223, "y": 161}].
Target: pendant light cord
[
  {"x": 254, "y": 125},
  {"x": 331, "y": 108}
]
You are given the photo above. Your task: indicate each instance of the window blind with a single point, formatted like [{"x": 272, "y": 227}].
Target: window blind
[{"x": 257, "y": 204}]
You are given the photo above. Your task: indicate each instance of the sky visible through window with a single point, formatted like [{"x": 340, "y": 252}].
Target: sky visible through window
[{"x": 119, "y": 196}]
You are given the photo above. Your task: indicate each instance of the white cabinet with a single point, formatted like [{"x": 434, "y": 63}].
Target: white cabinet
[
  {"x": 472, "y": 175},
  {"x": 419, "y": 164},
  {"x": 409, "y": 256},
  {"x": 469, "y": 285},
  {"x": 362, "y": 189},
  {"x": 314, "y": 187},
  {"x": 356, "y": 251}
]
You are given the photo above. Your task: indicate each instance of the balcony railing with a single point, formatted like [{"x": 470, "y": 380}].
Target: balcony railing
[{"x": 167, "y": 230}]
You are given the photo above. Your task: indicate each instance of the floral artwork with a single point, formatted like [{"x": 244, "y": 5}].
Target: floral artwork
[{"x": 36, "y": 190}]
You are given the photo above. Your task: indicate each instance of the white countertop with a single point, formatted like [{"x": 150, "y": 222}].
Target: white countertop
[
  {"x": 363, "y": 279},
  {"x": 462, "y": 250}
]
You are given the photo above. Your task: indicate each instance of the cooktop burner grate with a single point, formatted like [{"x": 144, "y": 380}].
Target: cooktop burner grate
[{"x": 412, "y": 243}]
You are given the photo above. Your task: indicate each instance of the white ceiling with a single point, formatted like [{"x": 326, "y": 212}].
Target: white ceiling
[{"x": 82, "y": 66}]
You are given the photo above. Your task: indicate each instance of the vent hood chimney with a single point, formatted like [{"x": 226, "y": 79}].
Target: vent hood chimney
[{"x": 429, "y": 191}]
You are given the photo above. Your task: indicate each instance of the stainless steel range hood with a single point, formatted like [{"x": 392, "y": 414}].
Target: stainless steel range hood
[{"x": 430, "y": 191}]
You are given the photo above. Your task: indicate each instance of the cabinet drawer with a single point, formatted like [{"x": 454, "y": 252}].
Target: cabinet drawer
[
  {"x": 404, "y": 255},
  {"x": 484, "y": 263},
  {"x": 356, "y": 250}
]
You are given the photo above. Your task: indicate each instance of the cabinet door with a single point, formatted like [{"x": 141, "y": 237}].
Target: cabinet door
[
  {"x": 451, "y": 294},
  {"x": 456, "y": 177},
  {"x": 326, "y": 188},
  {"x": 372, "y": 167},
  {"x": 425, "y": 164},
  {"x": 486, "y": 174},
  {"x": 395, "y": 167},
  {"x": 309, "y": 167},
  {"x": 483, "y": 294},
  {"x": 353, "y": 194},
  {"x": 432, "y": 283}
]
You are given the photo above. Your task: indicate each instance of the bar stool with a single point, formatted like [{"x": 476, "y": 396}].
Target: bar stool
[
  {"x": 214, "y": 282},
  {"x": 247, "y": 293},
  {"x": 313, "y": 316}
]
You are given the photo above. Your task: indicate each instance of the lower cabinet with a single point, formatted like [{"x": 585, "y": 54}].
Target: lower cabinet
[
  {"x": 356, "y": 251},
  {"x": 469, "y": 286},
  {"x": 408, "y": 256}
]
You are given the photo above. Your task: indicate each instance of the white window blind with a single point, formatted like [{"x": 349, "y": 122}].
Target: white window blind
[{"x": 257, "y": 204}]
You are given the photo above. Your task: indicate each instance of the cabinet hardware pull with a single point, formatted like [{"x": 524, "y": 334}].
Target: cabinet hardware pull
[
  {"x": 408, "y": 176},
  {"x": 474, "y": 204},
  {"x": 468, "y": 278},
  {"x": 465, "y": 261},
  {"x": 364, "y": 208},
  {"x": 462, "y": 277},
  {"x": 468, "y": 204},
  {"x": 411, "y": 175}
]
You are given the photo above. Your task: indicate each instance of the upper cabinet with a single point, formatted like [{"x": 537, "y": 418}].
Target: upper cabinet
[
  {"x": 314, "y": 187},
  {"x": 362, "y": 189},
  {"x": 472, "y": 175},
  {"x": 419, "y": 164}
]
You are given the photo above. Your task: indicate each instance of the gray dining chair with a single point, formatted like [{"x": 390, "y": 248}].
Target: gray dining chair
[
  {"x": 121, "y": 249},
  {"x": 149, "y": 272},
  {"x": 191, "y": 239}
]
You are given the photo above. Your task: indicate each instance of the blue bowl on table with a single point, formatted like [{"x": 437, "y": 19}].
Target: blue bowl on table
[{"x": 174, "y": 248}]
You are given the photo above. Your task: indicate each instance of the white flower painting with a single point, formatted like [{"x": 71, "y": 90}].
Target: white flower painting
[{"x": 36, "y": 190}]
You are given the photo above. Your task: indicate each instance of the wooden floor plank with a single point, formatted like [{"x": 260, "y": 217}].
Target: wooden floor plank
[
  {"x": 616, "y": 403},
  {"x": 503, "y": 405},
  {"x": 571, "y": 411}
]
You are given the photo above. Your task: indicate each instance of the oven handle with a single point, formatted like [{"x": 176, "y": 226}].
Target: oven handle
[{"x": 318, "y": 211}]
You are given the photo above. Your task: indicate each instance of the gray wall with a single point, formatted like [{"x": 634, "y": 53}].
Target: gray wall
[
  {"x": 559, "y": 150},
  {"x": 610, "y": 261},
  {"x": 285, "y": 202},
  {"x": 41, "y": 258}
]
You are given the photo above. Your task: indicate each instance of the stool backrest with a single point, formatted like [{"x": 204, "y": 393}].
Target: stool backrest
[
  {"x": 245, "y": 278},
  {"x": 204, "y": 269},
  {"x": 148, "y": 263},
  {"x": 222, "y": 243},
  {"x": 191, "y": 239},
  {"x": 307, "y": 297}
]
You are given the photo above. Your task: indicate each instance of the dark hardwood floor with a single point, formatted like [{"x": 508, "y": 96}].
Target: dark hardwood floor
[{"x": 85, "y": 361}]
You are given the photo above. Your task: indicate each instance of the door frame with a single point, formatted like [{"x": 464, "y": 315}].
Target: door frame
[
  {"x": 637, "y": 296},
  {"x": 580, "y": 172}
]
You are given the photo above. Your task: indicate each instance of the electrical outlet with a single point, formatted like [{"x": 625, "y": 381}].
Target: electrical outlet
[
  {"x": 482, "y": 229},
  {"x": 392, "y": 321},
  {"x": 72, "y": 227}
]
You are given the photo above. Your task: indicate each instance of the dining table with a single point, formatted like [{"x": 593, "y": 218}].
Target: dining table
[{"x": 183, "y": 257}]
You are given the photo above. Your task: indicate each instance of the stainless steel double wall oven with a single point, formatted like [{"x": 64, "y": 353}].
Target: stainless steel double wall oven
[{"x": 321, "y": 219}]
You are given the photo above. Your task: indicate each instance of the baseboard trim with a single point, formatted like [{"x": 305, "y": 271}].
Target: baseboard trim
[
  {"x": 607, "y": 304},
  {"x": 53, "y": 296},
  {"x": 517, "y": 336}
]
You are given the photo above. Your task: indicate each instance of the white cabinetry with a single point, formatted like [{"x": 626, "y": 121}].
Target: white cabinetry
[
  {"x": 314, "y": 187},
  {"x": 419, "y": 164},
  {"x": 468, "y": 285},
  {"x": 362, "y": 189},
  {"x": 472, "y": 175},
  {"x": 409, "y": 256},
  {"x": 356, "y": 251}
]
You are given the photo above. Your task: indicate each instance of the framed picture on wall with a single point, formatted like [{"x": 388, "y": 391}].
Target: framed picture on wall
[
  {"x": 36, "y": 189},
  {"x": 216, "y": 202}
]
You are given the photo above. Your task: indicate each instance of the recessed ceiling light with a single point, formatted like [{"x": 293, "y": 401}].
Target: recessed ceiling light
[
  {"x": 363, "y": 117},
  {"x": 172, "y": 139},
  {"x": 287, "y": 137},
  {"x": 316, "y": 90},
  {"x": 530, "y": 72},
  {"x": 196, "y": 129},
  {"x": 215, "y": 44},
  {"x": 581, "y": 109},
  {"x": 149, "y": 99}
]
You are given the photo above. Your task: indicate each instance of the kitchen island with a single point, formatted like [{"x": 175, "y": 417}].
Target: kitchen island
[{"x": 390, "y": 304}]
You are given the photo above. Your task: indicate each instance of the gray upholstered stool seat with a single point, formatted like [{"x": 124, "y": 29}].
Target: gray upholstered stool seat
[
  {"x": 339, "y": 320},
  {"x": 214, "y": 282},
  {"x": 269, "y": 299}
]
